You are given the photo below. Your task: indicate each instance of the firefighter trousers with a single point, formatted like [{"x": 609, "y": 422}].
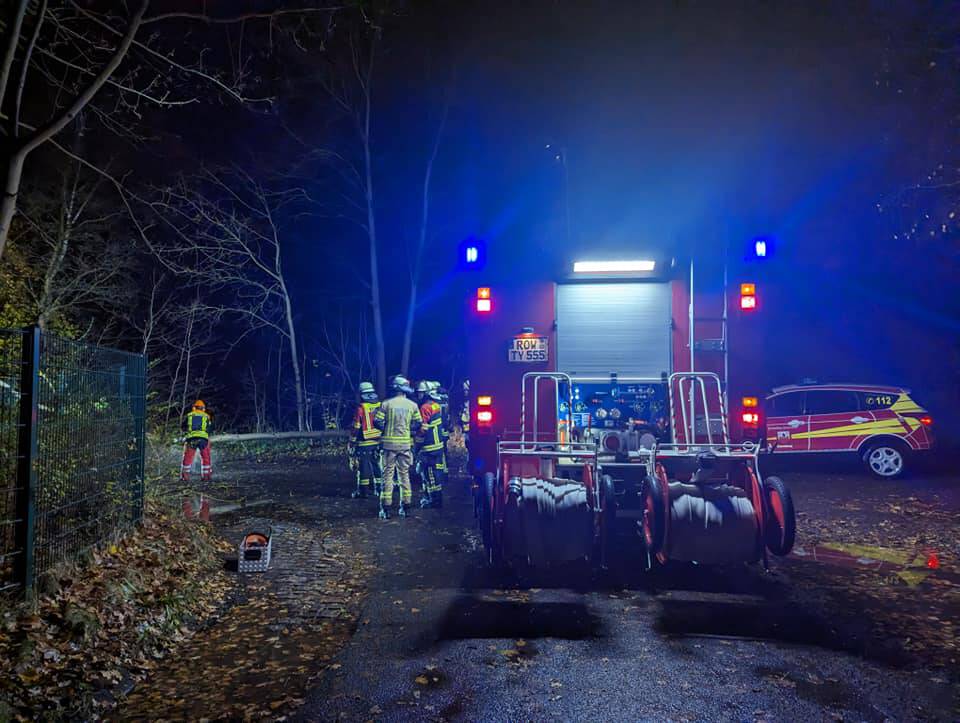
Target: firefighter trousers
[
  {"x": 396, "y": 461},
  {"x": 191, "y": 447},
  {"x": 368, "y": 461},
  {"x": 434, "y": 471}
]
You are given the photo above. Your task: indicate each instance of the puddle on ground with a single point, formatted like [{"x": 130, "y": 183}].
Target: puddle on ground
[
  {"x": 825, "y": 693},
  {"x": 470, "y": 617},
  {"x": 774, "y": 621}
]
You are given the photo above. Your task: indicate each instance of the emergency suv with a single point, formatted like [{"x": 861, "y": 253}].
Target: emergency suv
[{"x": 882, "y": 425}]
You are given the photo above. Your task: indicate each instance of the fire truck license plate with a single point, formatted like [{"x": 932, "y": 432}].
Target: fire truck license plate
[{"x": 528, "y": 349}]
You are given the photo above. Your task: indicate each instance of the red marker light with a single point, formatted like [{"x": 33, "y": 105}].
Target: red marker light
[
  {"x": 750, "y": 419},
  {"x": 926, "y": 421},
  {"x": 484, "y": 306},
  {"x": 485, "y": 416},
  {"x": 933, "y": 561}
]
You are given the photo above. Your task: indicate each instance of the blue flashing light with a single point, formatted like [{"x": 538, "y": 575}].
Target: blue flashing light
[
  {"x": 760, "y": 248},
  {"x": 472, "y": 254}
]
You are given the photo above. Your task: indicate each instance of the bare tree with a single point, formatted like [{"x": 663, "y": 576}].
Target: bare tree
[
  {"x": 69, "y": 53},
  {"x": 417, "y": 260},
  {"x": 348, "y": 82},
  {"x": 75, "y": 243},
  {"x": 225, "y": 235},
  {"x": 345, "y": 350}
]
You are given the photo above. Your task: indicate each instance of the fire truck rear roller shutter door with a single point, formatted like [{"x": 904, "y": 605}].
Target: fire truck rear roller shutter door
[{"x": 613, "y": 327}]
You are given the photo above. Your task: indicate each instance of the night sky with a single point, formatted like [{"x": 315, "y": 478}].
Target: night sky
[{"x": 687, "y": 128}]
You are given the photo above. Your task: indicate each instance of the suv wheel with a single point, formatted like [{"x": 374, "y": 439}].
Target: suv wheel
[{"x": 885, "y": 460}]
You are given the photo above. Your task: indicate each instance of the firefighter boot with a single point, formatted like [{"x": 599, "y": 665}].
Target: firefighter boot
[
  {"x": 384, "y": 515},
  {"x": 360, "y": 493},
  {"x": 427, "y": 500},
  {"x": 402, "y": 510}
]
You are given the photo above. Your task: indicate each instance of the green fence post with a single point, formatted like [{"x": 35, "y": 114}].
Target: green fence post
[
  {"x": 141, "y": 432},
  {"x": 27, "y": 459}
]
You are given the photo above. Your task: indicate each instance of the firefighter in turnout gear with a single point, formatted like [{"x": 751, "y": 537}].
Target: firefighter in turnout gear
[
  {"x": 465, "y": 412},
  {"x": 197, "y": 425},
  {"x": 430, "y": 457},
  {"x": 419, "y": 473},
  {"x": 443, "y": 399},
  {"x": 399, "y": 419},
  {"x": 365, "y": 447}
]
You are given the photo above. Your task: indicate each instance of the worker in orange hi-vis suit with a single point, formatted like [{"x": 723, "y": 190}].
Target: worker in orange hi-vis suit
[
  {"x": 198, "y": 425},
  {"x": 431, "y": 452},
  {"x": 366, "y": 443}
]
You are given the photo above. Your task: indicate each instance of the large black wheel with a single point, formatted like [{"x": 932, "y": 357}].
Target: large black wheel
[
  {"x": 654, "y": 514},
  {"x": 781, "y": 520},
  {"x": 606, "y": 520},
  {"x": 487, "y": 506}
]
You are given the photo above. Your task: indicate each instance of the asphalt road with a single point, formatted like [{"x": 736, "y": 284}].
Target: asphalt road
[{"x": 441, "y": 637}]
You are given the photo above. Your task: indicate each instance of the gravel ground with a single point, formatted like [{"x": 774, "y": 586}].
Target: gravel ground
[
  {"x": 436, "y": 635},
  {"x": 442, "y": 638}
]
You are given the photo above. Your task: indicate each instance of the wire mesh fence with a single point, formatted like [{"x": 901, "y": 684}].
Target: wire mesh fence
[
  {"x": 79, "y": 450},
  {"x": 11, "y": 364}
]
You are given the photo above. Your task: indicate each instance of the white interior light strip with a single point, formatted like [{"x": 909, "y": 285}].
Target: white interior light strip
[{"x": 612, "y": 267}]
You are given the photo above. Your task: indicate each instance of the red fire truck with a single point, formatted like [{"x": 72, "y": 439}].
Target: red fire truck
[{"x": 604, "y": 395}]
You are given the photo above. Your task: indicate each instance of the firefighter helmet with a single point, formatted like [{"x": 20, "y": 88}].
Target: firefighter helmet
[
  {"x": 199, "y": 405},
  {"x": 433, "y": 391},
  {"x": 423, "y": 387},
  {"x": 367, "y": 392},
  {"x": 401, "y": 384}
]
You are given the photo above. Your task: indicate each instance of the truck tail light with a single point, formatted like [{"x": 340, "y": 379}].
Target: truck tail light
[
  {"x": 926, "y": 420},
  {"x": 748, "y": 297},
  {"x": 484, "y": 301},
  {"x": 484, "y": 401},
  {"x": 485, "y": 416},
  {"x": 750, "y": 402},
  {"x": 750, "y": 419}
]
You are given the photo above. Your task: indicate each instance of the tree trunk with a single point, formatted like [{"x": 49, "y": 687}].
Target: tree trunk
[
  {"x": 279, "y": 387},
  {"x": 14, "y": 170},
  {"x": 188, "y": 341},
  {"x": 408, "y": 331},
  {"x": 294, "y": 357},
  {"x": 11, "y": 188},
  {"x": 381, "y": 352},
  {"x": 64, "y": 235},
  {"x": 421, "y": 242}
]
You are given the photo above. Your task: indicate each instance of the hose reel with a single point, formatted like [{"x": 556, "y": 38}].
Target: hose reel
[{"x": 550, "y": 520}]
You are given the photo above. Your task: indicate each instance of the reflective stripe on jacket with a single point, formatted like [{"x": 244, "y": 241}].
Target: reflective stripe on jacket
[
  {"x": 367, "y": 433},
  {"x": 399, "y": 418},
  {"x": 198, "y": 425}
]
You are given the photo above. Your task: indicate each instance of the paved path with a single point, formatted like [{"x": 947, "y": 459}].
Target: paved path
[
  {"x": 362, "y": 619},
  {"x": 441, "y": 638}
]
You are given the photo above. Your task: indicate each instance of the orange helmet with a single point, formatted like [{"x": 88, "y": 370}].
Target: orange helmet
[{"x": 199, "y": 405}]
